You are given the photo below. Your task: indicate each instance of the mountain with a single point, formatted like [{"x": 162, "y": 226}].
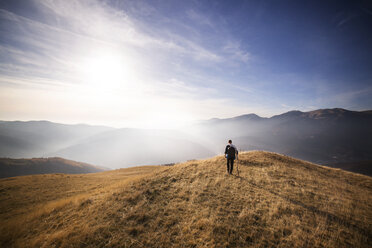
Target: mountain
[
  {"x": 28, "y": 139},
  {"x": 276, "y": 201},
  {"x": 362, "y": 167},
  {"x": 19, "y": 167},
  {"x": 333, "y": 137},
  {"x": 241, "y": 118},
  {"x": 325, "y": 136},
  {"x": 129, "y": 147},
  {"x": 105, "y": 146}
]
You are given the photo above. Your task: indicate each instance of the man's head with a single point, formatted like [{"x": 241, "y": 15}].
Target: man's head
[{"x": 230, "y": 141}]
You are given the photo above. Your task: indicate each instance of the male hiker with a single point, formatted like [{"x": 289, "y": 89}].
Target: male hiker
[{"x": 230, "y": 152}]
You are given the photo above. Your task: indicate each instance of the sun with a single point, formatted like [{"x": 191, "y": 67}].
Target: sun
[{"x": 106, "y": 71}]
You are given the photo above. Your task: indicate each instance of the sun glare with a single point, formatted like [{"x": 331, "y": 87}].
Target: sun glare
[
  {"x": 113, "y": 82},
  {"x": 106, "y": 72}
]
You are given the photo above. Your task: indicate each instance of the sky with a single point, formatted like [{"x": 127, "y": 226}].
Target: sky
[{"x": 162, "y": 64}]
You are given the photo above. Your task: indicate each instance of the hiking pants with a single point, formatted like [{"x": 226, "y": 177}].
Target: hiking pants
[{"x": 230, "y": 165}]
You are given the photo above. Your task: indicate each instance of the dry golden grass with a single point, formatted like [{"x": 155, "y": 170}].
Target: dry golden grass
[
  {"x": 277, "y": 201},
  {"x": 25, "y": 199}
]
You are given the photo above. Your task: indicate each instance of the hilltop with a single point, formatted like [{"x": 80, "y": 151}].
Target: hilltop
[
  {"x": 277, "y": 201},
  {"x": 19, "y": 167}
]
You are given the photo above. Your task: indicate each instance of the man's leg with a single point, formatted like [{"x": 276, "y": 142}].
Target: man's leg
[
  {"x": 231, "y": 165},
  {"x": 228, "y": 165}
]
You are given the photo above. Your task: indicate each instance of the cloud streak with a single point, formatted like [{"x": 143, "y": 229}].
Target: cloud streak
[
  {"x": 48, "y": 53},
  {"x": 135, "y": 63}
]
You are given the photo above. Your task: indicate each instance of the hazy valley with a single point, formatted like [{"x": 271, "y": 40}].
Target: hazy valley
[{"x": 334, "y": 137}]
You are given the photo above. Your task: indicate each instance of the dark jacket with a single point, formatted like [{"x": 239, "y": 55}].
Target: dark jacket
[{"x": 231, "y": 156}]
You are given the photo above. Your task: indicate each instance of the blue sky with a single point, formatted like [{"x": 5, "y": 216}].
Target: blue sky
[{"x": 166, "y": 63}]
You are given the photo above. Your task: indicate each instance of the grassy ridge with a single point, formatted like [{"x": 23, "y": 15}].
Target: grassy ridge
[{"x": 276, "y": 202}]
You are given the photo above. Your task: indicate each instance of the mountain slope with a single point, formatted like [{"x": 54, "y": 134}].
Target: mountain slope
[
  {"x": 130, "y": 147},
  {"x": 19, "y": 167},
  {"x": 20, "y": 139},
  {"x": 277, "y": 201}
]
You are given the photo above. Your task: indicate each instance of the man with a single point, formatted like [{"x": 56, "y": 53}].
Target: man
[{"x": 230, "y": 152}]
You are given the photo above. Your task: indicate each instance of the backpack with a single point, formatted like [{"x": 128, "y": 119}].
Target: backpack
[{"x": 231, "y": 152}]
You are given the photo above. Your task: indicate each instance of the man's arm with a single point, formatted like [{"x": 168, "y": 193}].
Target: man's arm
[{"x": 236, "y": 152}]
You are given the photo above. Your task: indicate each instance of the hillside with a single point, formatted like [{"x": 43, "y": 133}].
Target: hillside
[
  {"x": 19, "y": 167},
  {"x": 277, "y": 201}
]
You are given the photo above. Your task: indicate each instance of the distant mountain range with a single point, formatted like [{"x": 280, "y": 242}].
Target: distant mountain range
[
  {"x": 105, "y": 146},
  {"x": 322, "y": 136},
  {"x": 127, "y": 147},
  {"x": 19, "y": 139},
  {"x": 335, "y": 137},
  {"x": 20, "y": 167}
]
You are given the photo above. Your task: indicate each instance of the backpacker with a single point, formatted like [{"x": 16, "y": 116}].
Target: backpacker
[{"x": 231, "y": 152}]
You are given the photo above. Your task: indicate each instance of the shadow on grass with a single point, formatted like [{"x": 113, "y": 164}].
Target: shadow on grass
[{"x": 330, "y": 217}]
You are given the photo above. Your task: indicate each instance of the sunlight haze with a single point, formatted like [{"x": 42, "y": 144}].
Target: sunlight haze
[{"x": 165, "y": 64}]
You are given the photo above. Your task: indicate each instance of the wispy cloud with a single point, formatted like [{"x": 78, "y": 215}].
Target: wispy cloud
[
  {"x": 137, "y": 61},
  {"x": 199, "y": 18},
  {"x": 50, "y": 51},
  {"x": 351, "y": 99},
  {"x": 234, "y": 49}
]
